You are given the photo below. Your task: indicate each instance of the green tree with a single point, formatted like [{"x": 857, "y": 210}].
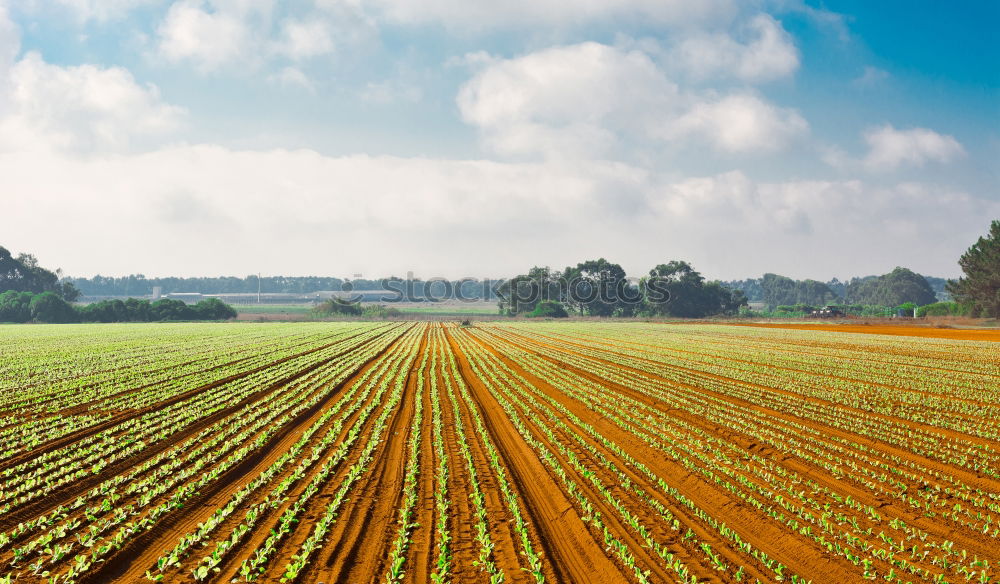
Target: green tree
[
  {"x": 522, "y": 293},
  {"x": 980, "y": 287},
  {"x": 337, "y": 306},
  {"x": 897, "y": 287},
  {"x": 170, "y": 309},
  {"x": 49, "y": 307},
  {"x": 599, "y": 287},
  {"x": 104, "y": 311},
  {"x": 777, "y": 290},
  {"x": 138, "y": 310},
  {"x": 23, "y": 274},
  {"x": 214, "y": 309},
  {"x": 783, "y": 291},
  {"x": 676, "y": 289},
  {"x": 15, "y": 306}
]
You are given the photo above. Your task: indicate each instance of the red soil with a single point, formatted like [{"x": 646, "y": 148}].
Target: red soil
[
  {"x": 637, "y": 431},
  {"x": 895, "y": 330}
]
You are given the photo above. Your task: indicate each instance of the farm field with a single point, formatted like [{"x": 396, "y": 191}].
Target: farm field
[{"x": 501, "y": 452}]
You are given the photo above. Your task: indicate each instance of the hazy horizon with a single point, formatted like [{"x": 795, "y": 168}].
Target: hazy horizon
[{"x": 462, "y": 139}]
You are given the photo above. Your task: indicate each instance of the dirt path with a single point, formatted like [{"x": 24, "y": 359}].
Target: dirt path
[{"x": 569, "y": 546}]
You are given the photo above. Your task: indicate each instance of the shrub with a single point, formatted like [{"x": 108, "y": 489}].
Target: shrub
[
  {"x": 214, "y": 309},
  {"x": 548, "y": 309},
  {"x": 380, "y": 311},
  {"x": 943, "y": 309},
  {"x": 336, "y": 306},
  {"x": 49, "y": 307}
]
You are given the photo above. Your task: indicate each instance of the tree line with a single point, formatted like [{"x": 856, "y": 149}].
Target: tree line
[
  {"x": 31, "y": 293},
  {"x": 893, "y": 289},
  {"x": 48, "y": 307},
  {"x": 595, "y": 288},
  {"x": 602, "y": 288}
]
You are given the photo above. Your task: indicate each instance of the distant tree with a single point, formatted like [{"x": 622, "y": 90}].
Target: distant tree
[
  {"x": 943, "y": 309},
  {"x": 138, "y": 310},
  {"x": 522, "y": 293},
  {"x": 783, "y": 291},
  {"x": 940, "y": 288},
  {"x": 751, "y": 288},
  {"x": 15, "y": 306},
  {"x": 892, "y": 289},
  {"x": 170, "y": 309},
  {"x": 837, "y": 287},
  {"x": 778, "y": 290},
  {"x": 104, "y": 311},
  {"x": 380, "y": 311},
  {"x": 214, "y": 309},
  {"x": 598, "y": 287},
  {"x": 336, "y": 306},
  {"x": 980, "y": 287},
  {"x": 676, "y": 289},
  {"x": 729, "y": 301},
  {"x": 49, "y": 307}
]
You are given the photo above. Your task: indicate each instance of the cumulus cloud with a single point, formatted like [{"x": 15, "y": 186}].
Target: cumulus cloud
[
  {"x": 589, "y": 99},
  {"x": 889, "y": 148},
  {"x": 565, "y": 99},
  {"x": 191, "y": 31},
  {"x": 742, "y": 123},
  {"x": 81, "y": 108},
  {"x": 301, "y": 39},
  {"x": 768, "y": 53},
  {"x": 213, "y": 34}
]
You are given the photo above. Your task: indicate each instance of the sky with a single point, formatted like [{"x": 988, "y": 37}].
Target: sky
[{"x": 460, "y": 138}]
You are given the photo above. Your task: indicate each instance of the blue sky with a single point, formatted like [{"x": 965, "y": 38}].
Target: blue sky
[{"x": 449, "y": 138}]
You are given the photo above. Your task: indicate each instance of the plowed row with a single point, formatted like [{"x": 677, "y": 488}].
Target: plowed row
[{"x": 529, "y": 452}]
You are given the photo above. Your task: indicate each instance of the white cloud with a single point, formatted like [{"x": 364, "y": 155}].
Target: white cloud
[
  {"x": 301, "y": 39},
  {"x": 871, "y": 76},
  {"x": 209, "y": 36},
  {"x": 832, "y": 21},
  {"x": 565, "y": 99},
  {"x": 83, "y": 108},
  {"x": 391, "y": 91},
  {"x": 473, "y": 60},
  {"x": 889, "y": 148},
  {"x": 10, "y": 46},
  {"x": 769, "y": 53},
  {"x": 242, "y": 34},
  {"x": 102, "y": 10},
  {"x": 465, "y": 15},
  {"x": 590, "y": 99},
  {"x": 742, "y": 123},
  {"x": 293, "y": 77},
  {"x": 210, "y": 210}
]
